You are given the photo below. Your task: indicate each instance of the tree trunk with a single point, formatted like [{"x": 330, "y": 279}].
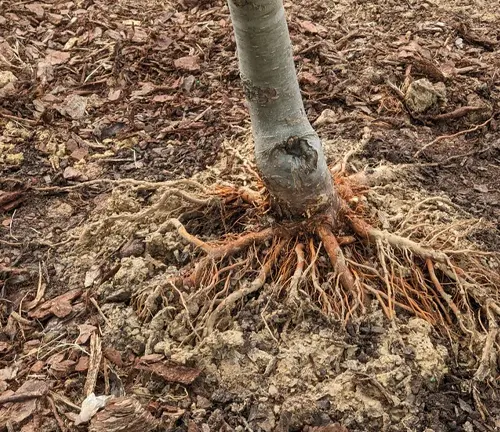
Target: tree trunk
[{"x": 288, "y": 151}]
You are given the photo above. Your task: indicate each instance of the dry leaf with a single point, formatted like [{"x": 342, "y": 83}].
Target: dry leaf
[
  {"x": 336, "y": 427},
  {"x": 54, "y": 18},
  {"x": 163, "y": 42},
  {"x": 139, "y": 35},
  {"x": 92, "y": 275},
  {"x": 123, "y": 414},
  {"x": 114, "y": 356},
  {"x": 37, "y": 367},
  {"x": 307, "y": 77},
  {"x": 10, "y": 200},
  {"x": 71, "y": 173},
  {"x": 151, "y": 358},
  {"x": 70, "y": 43},
  {"x": 481, "y": 188},
  {"x": 193, "y": 427},
  {"x": 63, "y": 368},
  {"x": 79, "y": 153},
  {"x": 114, "y": 94},
  {"x": 7, "y": 84},
  {"x": 5, "y": 347},
  {"x": 146, "y": 88},
  {"x": 163, "y": 98}
]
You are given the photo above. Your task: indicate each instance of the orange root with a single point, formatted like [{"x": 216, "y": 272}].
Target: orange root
[{"x": 337, "y": 258}]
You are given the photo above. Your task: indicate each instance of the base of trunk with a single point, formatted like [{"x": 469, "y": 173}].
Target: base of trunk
[{"x": 297, "y": 177}]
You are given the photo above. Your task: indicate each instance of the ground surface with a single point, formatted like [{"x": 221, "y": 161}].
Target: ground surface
[{"x": 149, "y": 90}]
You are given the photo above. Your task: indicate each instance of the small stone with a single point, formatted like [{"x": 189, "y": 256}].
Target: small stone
[
  {"x": 71, "y": 173},
  {"x": 202, "y": 402},
  {"x": 423, "y": 96},
  {"x": 273, "y": 390},
  {"x": 73, "y": 106},
  {"x": 132, "y": 248},
  {"x": 60, "y": 210},
  {"x": 7, "y": 83}
]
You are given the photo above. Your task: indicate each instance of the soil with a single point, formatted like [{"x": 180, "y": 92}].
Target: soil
[{"x": 149, "y": 90}]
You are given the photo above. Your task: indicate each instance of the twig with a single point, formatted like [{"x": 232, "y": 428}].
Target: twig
[
  {"x": 96, "y": 305},
  {"x": 94, "y": 364},
  {"x": 40, "y": 291},
  {"x": 455, "y": 114},
  {"x": 59, "y": 421},
  {"x": 340, "y": 43},
  {"x": 20, "y": 319},
  {"x": 20, "y": 397},
  {"x": 396, "y": 89},
  {"x": 65, "y": 400},
  {"x": 19, "y": 119},
  {"x": 10, "y": 225},
  {"x": 442, "y": 137}
]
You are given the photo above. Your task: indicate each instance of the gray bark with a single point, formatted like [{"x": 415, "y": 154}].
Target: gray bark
[{"x": 288, "y": 151}]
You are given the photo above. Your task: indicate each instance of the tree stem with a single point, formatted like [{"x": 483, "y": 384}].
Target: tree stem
[{"x": 288, "y": 151}]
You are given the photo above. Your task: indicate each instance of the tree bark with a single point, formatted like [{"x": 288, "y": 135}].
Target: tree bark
[{"x": 288, "y": 151}]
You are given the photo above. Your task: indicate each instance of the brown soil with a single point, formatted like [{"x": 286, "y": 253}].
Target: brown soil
[{"x": 150, "y": 90}]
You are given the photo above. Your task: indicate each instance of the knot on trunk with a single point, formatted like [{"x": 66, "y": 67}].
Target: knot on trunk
[{"x": 303, "y": 157}]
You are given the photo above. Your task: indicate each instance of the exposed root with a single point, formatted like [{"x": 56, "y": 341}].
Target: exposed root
[
  {"x": 308, "y": 265},
  {"x": 365, "y": 230},
  {"x": 181, "y": 230},
  {"x": 293, "y": 293},
  {"x": 96, "y": 228},
  {"x": 489, "y": 357},
  {"x": 241, "y": 243},
  {"x": 323, "y": 298},
  {"x": 223, "y": 251},
  {"x": 336, "y": 258},
  {"x": 447, "y": 298},
  {"x": 138, "y": 184},
  {"x": 440, "y": 138},
  {"x": 255, "y": 285}
]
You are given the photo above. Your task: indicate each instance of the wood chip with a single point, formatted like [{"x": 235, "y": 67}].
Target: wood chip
[
  {"x": 171, "y": 373},
  {"x": 46, "y": 309},
  {"x": 94, "y": 364},
  {"x": 189, "y": 63}
]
